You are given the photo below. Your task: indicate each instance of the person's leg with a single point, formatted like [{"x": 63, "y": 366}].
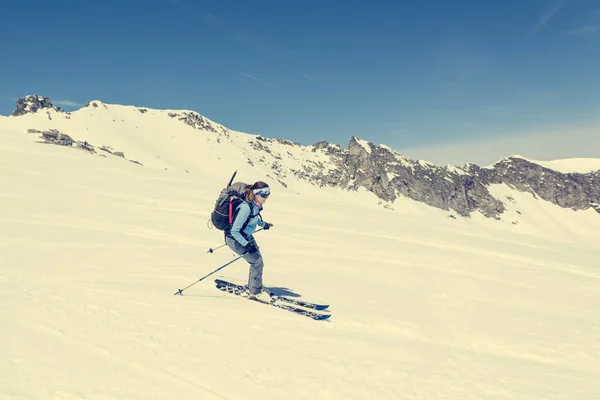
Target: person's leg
[
  {"x": 255, "y": 260},
  {"x": 255, "y": 284}
]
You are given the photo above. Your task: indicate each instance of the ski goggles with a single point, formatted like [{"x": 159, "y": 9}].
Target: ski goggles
[{"x": 262, "y": 192}]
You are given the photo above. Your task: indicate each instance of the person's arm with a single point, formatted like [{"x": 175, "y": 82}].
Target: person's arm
[{"x": 238, "y": 222}]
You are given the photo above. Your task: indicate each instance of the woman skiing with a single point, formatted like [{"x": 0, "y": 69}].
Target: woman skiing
[{"x": 240, "y": 239}]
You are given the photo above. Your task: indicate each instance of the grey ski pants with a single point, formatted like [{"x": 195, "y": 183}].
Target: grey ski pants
[{"x": 255, "y": 284}]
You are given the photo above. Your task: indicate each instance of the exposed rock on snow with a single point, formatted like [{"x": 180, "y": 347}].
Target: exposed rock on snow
[
  {"x": 465, "y": 190},
  {"x": 196, "y": 121},
  {"x": 33, "y": 103},
  {"x": 53, "y": 136}
]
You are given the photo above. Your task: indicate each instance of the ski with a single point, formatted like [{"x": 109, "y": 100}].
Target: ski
[
  {"x": 300, "y": 303},
  {"x": 239, "y": 291}
]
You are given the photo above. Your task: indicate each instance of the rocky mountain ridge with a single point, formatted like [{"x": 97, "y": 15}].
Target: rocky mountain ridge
[
  {"x": 386, "y": 173},
  {"x": 463, "y": 190}
]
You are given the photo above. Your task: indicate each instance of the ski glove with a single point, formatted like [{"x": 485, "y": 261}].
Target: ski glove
[
  {"x": 251, "y": 248},
  {"x": 267, "y": 226}
]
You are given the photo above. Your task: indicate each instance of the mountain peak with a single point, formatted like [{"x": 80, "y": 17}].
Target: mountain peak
[
  {"x": 95, "y": 104},
  {"x": 33, "y": 103}
]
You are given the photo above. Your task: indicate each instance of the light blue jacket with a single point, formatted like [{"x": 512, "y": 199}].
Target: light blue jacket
[{"x": 246, "y": 210}]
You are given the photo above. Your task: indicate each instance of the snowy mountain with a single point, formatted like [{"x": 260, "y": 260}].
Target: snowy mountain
[
  {"x": 103, "y": 218},
  {"x": 200, "y": 143}
]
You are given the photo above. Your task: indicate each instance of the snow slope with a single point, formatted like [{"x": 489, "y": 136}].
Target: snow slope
[
  {"x": 579, "y": 165},
  {"x": 423, "y": 307},
  {"x": 568, "y": 165}
]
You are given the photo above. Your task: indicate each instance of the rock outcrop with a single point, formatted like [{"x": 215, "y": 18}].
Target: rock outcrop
[
  {"x": 196, "y": 121},
  {"x": 32, "y": 104},
  {"x": 54, "y": 136},
  {"x": 463, "y": 190}
]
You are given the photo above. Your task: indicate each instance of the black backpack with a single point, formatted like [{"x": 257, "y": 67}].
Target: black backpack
[{"x": 226, "y": 205}]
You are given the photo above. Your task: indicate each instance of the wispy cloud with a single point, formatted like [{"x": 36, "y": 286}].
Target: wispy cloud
[
  {"x": 66, "y": 103},
  {"x": 583, "y": 30},
  {"x": 254, "y": 78},
  {"x": 547, "y": 15}
]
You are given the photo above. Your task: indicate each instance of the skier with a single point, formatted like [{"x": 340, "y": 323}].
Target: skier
[{"x": 240, "y": 239}]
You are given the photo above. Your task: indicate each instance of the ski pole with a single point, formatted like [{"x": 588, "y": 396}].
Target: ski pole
[
  {"x": 211, "y": 250},
  {"x": 180, "y": 291}
]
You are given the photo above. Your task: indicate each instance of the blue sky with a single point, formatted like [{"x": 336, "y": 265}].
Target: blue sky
[{"x": 412, "y": 75}]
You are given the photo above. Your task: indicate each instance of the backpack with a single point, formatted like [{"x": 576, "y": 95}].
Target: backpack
[{"x": 226, "y": 206}]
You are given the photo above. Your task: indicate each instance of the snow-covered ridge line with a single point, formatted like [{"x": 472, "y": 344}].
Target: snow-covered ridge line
[{"x": 363, "y": 165}]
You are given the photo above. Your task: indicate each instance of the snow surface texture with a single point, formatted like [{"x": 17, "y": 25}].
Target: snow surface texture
[{"x": 423, "y": 306}]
